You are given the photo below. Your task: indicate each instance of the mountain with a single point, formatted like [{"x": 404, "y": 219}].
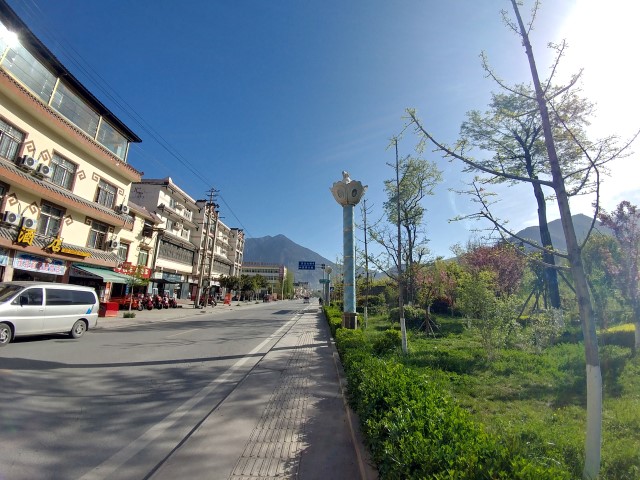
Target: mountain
[
  {"x": 283, "y": 251},
  {"x": 581, "y": 223}
]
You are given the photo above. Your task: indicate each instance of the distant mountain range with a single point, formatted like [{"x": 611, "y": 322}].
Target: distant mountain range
[
  {"x": 283, "y": 251},
  {"x": 581, "y": 223}
]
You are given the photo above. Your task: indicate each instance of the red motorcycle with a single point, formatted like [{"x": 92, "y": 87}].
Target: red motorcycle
[
  {"x": 147, "y": 302},
  {"x": 165, "y": 301},
  {"x": 157, "y": 302},
  {"x": 173, "y": 303}
]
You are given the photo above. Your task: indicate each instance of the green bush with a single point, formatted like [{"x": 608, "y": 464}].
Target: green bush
[
  {"x": 623, "y": 336},
  {"x": 334, "y": 318},
  {"x": 414, "y": 317},
  {"x": 416, "y": 430},
  {"x": 388, "y": 342}
]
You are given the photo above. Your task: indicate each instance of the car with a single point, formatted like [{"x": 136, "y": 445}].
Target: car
[
  {"x": 306, "y": 300},
  {"x": 36, "y": 308}
]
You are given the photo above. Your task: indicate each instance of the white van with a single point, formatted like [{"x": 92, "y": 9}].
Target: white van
[{"x": 35, "y": 308}]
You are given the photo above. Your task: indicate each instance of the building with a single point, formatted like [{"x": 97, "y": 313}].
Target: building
[
  {"x": 222, "y": 253},
  {"x": 64, "y": 175},
  {"x": 273, "y": 273},
  {"x": 175, "y": 256}
]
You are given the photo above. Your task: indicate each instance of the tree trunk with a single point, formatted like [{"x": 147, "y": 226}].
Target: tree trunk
[
  {"x": 550, "y": 273},
  {"x": 594, "y": 374}
]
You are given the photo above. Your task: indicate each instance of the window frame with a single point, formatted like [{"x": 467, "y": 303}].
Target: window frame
[
  {"x": 97, "y": 238},
  {"x": 106, "y": 194},
  {"x": 47, "y": 231},
  {"x": 60, "y": 166}
]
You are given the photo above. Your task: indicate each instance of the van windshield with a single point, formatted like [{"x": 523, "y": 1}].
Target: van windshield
[{"x": 7, "y": 291}]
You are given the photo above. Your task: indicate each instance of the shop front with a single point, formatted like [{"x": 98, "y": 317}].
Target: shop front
[
  {"x": 171, "y": 283},
  {"x": 27, "y": 266}
]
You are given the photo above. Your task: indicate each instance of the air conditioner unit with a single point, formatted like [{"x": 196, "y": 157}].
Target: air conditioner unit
[
  {"x": 113, "y": 244},
  {"x": 124, "y": 209},
  {"x": 11, "y": 218},
  {"x": 27, "y": 163},
  {"x": 43, "y": 171},
  {"x": 28, "y": 223}
]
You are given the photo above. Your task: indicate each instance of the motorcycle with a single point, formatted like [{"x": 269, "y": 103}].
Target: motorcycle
[
  {"x": 173, "y": 303},
  {"x": 147, "y": 302},
  {"x": 165, "y": 301},
  {"x": 157, "y": 302}
]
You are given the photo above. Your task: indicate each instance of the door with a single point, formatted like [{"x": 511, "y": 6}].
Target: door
[{"x": 29, "y": 311}]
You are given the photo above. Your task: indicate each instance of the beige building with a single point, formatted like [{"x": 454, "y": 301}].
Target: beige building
[
  {"x": 221, "y": 254},
  {"x": 274, "y": 274},
  {"x": 175, "y": 256},
  {"x": 64, "y": 176}
]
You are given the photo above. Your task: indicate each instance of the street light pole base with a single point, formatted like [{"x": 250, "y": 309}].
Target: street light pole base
[{"x": 350, "y": 320}]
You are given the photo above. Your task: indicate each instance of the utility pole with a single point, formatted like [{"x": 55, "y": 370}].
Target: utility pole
[
  {"x": 366, "y": 264},
  {"x": 215, "y": 207},
  {"x": 203, "y": 256}
]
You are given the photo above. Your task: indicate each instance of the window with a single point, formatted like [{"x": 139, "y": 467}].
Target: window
[
  {"x": 31, "y": 296},
  {"x": 63, "y": 171},
  {"x": 10, "y": 140},
  {"x": 123, "y": 251},
  {"x": 30, "y": 72},
  {"x": 106, "y": 194},
  {"x": 49, "y": 221},
  {"x": 143, "y": 257},
  {"x": 114, "y": 141},
  {"x": 97, "y": 235},
  {"x": 58, "y": 296},
  {"x": 73, "y": 108}
]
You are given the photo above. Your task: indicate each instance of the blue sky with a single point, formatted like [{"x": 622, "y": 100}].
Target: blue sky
[{"x": 269, "y": 101}]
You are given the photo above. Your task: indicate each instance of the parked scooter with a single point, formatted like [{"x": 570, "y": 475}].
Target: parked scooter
[
  {"x": 165, "y": 301},
  {"x": 157, "y": 302},
  {"x": 173, "y": 303},
  {"x": 147, "y": 302}
]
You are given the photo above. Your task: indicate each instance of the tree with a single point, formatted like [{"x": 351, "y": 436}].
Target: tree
[
  {"x": 556, "y": 181},
  {"x": 601, "y": 257},
  {"x": 512, "y": 131},
  {"x": 502, "y": 259},
  {"x": 415, "y": 178},
  {"x": 624, "y": 221}
]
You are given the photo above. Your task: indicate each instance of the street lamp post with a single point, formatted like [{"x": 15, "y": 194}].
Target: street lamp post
[{"x": 348, "y": 193}]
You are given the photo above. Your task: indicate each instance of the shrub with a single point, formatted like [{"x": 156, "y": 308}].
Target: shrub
[
  {"x": 129, "y": 315},
  {"x": 334, "y": 318},
  {"x": 388, "y": 342},
  {"x": 621, "y": 335},
  {"x": 414, "y": 317}
]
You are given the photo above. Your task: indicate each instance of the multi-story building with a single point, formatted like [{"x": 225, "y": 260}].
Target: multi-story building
[
  {"x": 221, "y": 254},
  {"x": 175, "y": 255},
  {"x": 64, "y": 176},
  {"x": 273, "y": 273},
  {"x": 236, "y": 254}
]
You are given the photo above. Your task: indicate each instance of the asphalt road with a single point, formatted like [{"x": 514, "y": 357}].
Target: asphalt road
[{"x": 124, "y": 401}]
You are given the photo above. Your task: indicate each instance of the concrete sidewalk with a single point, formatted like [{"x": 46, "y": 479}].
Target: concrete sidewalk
[{"x": 288, "y": 419}]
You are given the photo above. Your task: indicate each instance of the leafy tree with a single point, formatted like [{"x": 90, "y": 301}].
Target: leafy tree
[
  {"x": 624, "y": 221},
  {"x": 512, "y": 130},
  {"x": 503, "y": 260},
  {"x": 601, "y": 257},
  {"x": 436, "y": 282},
  {"x": 230, "y": 282}
]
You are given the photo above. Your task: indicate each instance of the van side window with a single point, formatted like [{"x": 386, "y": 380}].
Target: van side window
[
  {"x": 31, "y": 296},
  {"x": 58, "y": 296}
]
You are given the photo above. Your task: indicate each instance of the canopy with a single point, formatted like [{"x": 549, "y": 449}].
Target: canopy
[{"x": 106, "y": 275}]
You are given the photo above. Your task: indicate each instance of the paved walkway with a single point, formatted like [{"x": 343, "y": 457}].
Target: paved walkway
[{"x": 298, "y": 428}]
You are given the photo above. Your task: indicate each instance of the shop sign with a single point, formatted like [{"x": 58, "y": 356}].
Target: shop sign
[
  {"x": 56, "y": 246},
  {"x": 172, "y": 277},
  {"x": 34, "y": 263},
  {"x": 127, "y": 268},
  {"x": 25, "y": 236},
  {"x": 4, "y": 257}
]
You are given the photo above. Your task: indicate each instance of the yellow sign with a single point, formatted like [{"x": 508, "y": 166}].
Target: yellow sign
[
  {"x": 56, "y": 246},
  {"x": 26, "y": 236}
]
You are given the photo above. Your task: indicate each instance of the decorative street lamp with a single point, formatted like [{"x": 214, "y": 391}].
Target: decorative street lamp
[{"x": 348, "y": 193}]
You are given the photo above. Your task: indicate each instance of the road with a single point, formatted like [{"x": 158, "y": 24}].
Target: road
[{"x": 123, "y": 402}]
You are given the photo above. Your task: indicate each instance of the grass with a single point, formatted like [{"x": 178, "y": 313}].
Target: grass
[{"x": 535, "y": 399}]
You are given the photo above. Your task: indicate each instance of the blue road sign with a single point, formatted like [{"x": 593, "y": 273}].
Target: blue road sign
[{"x": 306, "y": 265}]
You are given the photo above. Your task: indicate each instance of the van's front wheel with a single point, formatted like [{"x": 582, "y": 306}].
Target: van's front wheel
[
  {"x": 78, "y": 329},
  {"x": 5, "y": 334}
]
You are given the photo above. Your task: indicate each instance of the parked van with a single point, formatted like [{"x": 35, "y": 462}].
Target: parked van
[{"x": 36, "y": 308}]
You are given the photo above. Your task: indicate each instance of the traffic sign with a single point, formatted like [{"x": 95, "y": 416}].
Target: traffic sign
[
  {"x": 325, "y": 280},
  {"x": 306, "y": 265}
]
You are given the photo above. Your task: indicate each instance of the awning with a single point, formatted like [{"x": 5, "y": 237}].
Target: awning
[{"x": 103, "y": 273}]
